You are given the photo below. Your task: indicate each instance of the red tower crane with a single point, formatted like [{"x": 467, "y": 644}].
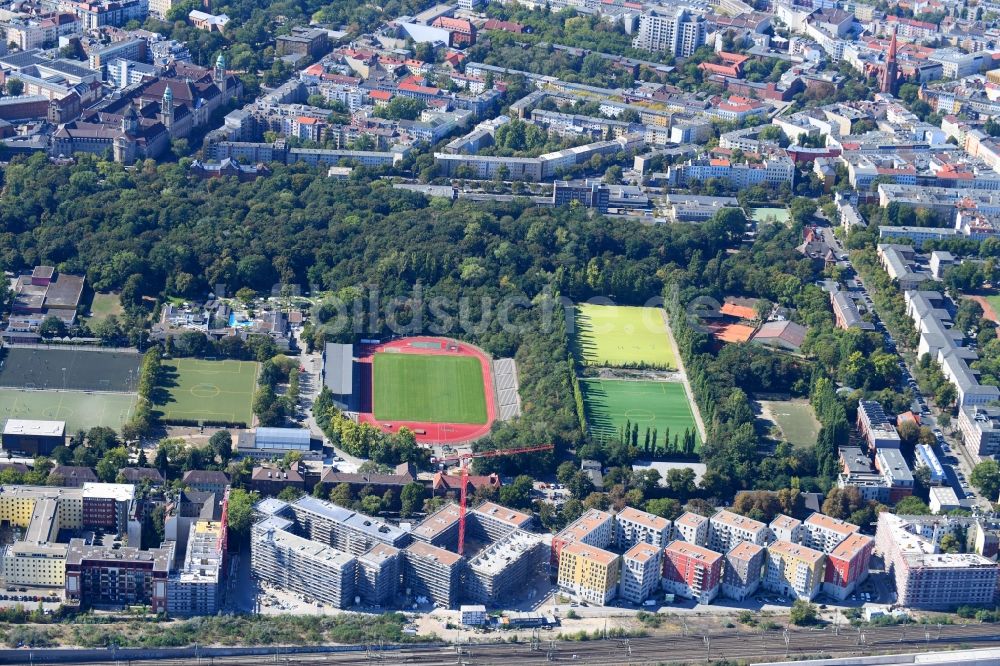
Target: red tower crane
[{"x": 463, "y": 460}]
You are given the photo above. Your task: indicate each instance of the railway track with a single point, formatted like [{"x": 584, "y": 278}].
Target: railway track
[{"x": 775, "y": 645}]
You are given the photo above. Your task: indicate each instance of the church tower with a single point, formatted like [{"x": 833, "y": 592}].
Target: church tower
[
  {"x": 219, "y": 74},
  {"x": 167, "y": 107},
  {"x": 890, "y": 73}
]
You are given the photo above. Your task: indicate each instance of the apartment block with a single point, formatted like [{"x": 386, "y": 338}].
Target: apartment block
[
  {"x": 980, "y": 428},
  {"x": 594, "y": 528},
  {"x": 110, "y": 576},
  {"x": 726, "y": 529},
  {"x": 633, "y": 526},
  {"x": 794, "y": 570},
  {"x": 925, "y": 577},
  {"x": 194, "y": 588},
  {"x": 824, "y": 533},
  {"x": 345, "y": 530},
  {"x": 692, "y": 528},
  {"x": 494, "y": 521},
  {"x": 743, "y": 570},
  {"x": 301, "y": 565},
  {"x": 439, "y": 529},
  {"x": 678, "y": 34},
  {"x": 877, "y": 428},
  {"x": 503, "y": 569},
  {"x": 432, "y": 572},
  {"x": 641, "y": 572},
  {"x": 847, "y": 566},
  {"x": 692, "y": 571},
  {"x": 379, "y": 574},
  {"x": 786, "y": 528},
  {"x": 588, "y": 572}
]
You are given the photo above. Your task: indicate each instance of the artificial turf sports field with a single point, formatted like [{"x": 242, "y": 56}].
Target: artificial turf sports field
[
  {"x": 615, "y": 335},
  {"x": 80, "y": 410},
  {"x": 610, "y": 403},
  {"x": 199, "y": 390},
  {"x": 432, "y": 388}
]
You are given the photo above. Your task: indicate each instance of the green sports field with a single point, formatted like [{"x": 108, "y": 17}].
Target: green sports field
[
  {"x": 429, "y": 388},
  {"x": 198, "y": 390},
  {"x": 796, "y": 420},
  {"x": 79, "y": 409},
  {"x": 610, "y": 403},
  {"x": 622, "y": 336}
]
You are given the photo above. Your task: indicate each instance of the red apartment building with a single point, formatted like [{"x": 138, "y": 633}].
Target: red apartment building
[
  {"x": 847, "y": 565},
  {"x": 691, "y": 571}
]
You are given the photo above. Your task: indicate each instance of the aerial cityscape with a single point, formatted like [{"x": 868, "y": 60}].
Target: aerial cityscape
[{"x": 608, "y": 332}]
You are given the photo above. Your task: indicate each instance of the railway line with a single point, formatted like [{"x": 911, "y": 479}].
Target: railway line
[{"x": 774, "y": 645}]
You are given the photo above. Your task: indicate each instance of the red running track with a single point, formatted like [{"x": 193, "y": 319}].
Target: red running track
[{"x": 434, "y": 433}]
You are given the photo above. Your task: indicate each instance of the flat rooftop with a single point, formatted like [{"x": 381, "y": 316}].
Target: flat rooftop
[
  {"x": 34, "y": 428},
  {"x": 645, "y": 519},
  {"x": 503, "y": 553},
  {"x": 437, "y": 523},
  {"x": 429, "y": 552},
  {"x": 693, "y": 551},
  {"x": 795, "y": 550},
  {"x": 641, "y": 552},
  {"x": 503, "y": 514},
  {"x": 588, "y": 552}
]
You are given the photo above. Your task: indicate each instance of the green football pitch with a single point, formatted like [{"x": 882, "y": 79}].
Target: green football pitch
[
  {"x": 611, "y": 403},
  {"x": 613, "y": 335},
  {"x": 79, "y": 409},
  {"x": 428, "y": 387},
  {"x": 198, "y": 390}
]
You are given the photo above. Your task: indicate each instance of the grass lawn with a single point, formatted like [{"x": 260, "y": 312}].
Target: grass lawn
[
  {"x": 614, "y": 335},
  {"x": 201, "y": 390},
  {"x": 795, "y": 419},
  {"x": 610, "y": 403},
  {"x": 769, "y": 215},
  {"x": 428, "y": 387},
  {"x": 103, "y": 306},
  {"x": 994, "y": 300},
  {"x": 80, "y": 410}
]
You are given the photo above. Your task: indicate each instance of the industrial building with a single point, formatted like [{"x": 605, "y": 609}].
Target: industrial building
[
  {"x": 268, "y": 443},
  {"x": 33, "y": 438}
]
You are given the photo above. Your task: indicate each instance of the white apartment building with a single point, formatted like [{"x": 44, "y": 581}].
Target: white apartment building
[
  {"x": 824, "y": 533},
  {"x": 692, "y": 528},
  {"x": 727, "y": 529},
  {"x": 641, "y": 572},
  {"x": 786, "y": 528},
  {"x": 678, "y": 34},
  {"x": 633, "y": 526}
]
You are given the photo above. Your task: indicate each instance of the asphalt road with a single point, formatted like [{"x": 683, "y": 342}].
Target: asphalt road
[{"x": 692, "y": 648}]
